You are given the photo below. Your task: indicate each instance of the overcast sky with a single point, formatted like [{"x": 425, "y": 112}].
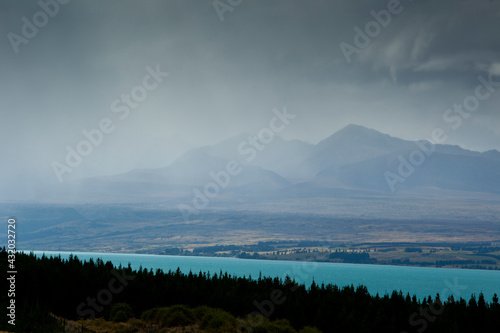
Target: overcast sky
[{"x": 226, "y": 75}]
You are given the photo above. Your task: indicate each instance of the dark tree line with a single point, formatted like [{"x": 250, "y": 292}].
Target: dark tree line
[{"x": 72, "y": 289}]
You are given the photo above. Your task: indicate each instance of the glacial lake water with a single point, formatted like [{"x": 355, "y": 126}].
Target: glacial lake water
[{"x": 381, "y": 279}]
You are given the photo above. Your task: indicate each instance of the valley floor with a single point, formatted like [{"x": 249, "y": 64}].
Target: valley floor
[
  {"x": 458, "y": 234},
  {"x": 471, "y": 256}
]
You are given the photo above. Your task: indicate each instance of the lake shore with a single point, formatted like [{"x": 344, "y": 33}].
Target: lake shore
[{"x": 462, "y": 256}]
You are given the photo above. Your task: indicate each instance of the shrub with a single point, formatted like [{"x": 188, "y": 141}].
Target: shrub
[
  {"x": 215, "y": 319},
  {"x": 120, "y": 317},
  {"x": 279, "y": 326},
  {"x": 177, "y": 315},
  {"x": 309, "y": 329},
  {"x": 178, "y": 318},
  {"x": 121, "y": 312}
]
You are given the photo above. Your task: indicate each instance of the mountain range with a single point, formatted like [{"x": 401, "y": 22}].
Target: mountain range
[{"x": 355, "y": 158}]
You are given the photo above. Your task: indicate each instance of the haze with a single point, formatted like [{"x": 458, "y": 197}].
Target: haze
[{"x": 226, "y": 77}]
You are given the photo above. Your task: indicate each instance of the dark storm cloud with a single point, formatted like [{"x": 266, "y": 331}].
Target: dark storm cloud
[{"x": 226, "y": 76}]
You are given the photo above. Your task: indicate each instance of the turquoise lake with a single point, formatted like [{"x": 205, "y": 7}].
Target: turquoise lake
[{"x": 419, "y": 281}]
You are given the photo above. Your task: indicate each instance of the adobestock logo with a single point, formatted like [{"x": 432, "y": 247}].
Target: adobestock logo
[
  {"x": 95, "y": 137},
  {"x": 221, "y": 7},
  {"x": 454, "y": 117},
  {"x": 372, "y": 29},
  {"x": 30, "y": 29},
  {"x": 105, "y": 296},
  {"x": 427, "y": 315},
  {"x": 247, "y": 149},
  {"x": 277, "y": 297}
]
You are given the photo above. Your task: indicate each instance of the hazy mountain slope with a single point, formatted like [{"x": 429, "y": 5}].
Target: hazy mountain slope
[
  {"x": 198, "y": 167},
  {"x": 195, "y": 169},
  {"x": 281, "y": 156},
  {"x": 350, "y": 145},
  {"x": 492, "y": 154},
  {"x": 455, "y": 172},
  {"x": 353, "y": 158},
  {"x": 443, "y": 171}
]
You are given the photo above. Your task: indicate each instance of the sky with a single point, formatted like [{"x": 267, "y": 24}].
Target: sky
[{"x": 203, "y": 71}]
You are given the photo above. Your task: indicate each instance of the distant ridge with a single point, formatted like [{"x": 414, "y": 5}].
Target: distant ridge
[{"x": 355, "y": 157}]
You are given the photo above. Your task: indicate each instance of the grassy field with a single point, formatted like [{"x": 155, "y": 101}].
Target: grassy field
[
  {"x": 386, "y": 254},
  {"x": 289, "y": 236}
]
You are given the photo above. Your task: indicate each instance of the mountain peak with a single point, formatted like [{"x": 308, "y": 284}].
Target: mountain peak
[
  {"x": 492, "y": 154},
  {"x": 355, "y": 143},
  {"x": 359, "y": 129},
  {"x": 352, "y": 127},
  {"x": 355, "y": 133}
]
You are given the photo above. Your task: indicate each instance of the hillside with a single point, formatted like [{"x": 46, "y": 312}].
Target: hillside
[{"x": 354, "y": 158}]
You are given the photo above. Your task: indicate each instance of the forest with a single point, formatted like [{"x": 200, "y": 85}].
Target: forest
[{"x": 218, "y": 302}]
